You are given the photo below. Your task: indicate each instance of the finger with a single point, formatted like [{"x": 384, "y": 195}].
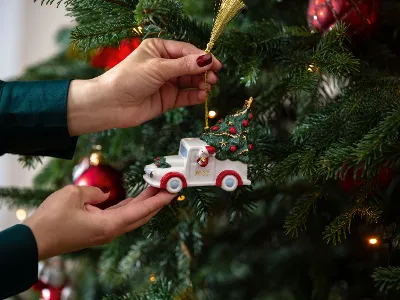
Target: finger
[
  {"x": 141, "y": 222},
  {"x": 93, "y": 195},
  {"x": 202, "y": 86},
  {"x": 133, "y": 212},
  {"x": 188, "y": 65},
  {"x": 186, "y": 82},
  {"x": 189, "y": 97},
  {"x": 147, "y": 193}
]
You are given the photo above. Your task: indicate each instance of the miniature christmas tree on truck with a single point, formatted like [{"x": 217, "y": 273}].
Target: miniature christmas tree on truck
[{"x": 219, "y": 157}]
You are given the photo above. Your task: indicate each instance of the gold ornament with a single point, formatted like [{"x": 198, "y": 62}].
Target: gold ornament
[
  {"x": 181, "y": 198},
  {"x": 223, "y": 143},
  {"x": 228, "y": 9}
]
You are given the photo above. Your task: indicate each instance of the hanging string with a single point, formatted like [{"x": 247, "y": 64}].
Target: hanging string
[{"x": 227, "y": 11}]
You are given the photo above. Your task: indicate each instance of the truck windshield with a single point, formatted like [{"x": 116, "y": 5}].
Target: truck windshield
[{"x": 183, "y": 151}]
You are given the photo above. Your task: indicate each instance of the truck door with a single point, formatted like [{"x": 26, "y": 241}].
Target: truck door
[{"x": 202, "y": 175}]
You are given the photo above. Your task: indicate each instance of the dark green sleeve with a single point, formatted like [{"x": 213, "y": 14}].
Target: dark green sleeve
[
  {"x": 18, "y": 260},
  {"x": 33, "y": 119}
]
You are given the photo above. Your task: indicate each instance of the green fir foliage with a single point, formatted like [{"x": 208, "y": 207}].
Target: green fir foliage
[{"x": 326, "y": 115}]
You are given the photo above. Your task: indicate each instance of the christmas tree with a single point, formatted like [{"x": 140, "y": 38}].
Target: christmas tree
[{"x": 320, "y": 218}]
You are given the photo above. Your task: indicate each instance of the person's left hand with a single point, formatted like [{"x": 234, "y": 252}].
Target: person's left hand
[{"x": 158, "y": 76}]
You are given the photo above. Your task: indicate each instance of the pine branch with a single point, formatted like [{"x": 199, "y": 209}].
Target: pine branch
[
  {"x": 387, "y": 278},
  {"x": 201, "y": 200},
  {"x": 30, "y": 162},
  {"x": 23, "y": 197},
  {"x": 340, "y": 227},
  {"x": 297, "y": 218}
]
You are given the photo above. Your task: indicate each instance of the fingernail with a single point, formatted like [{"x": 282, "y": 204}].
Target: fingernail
[
  {"x": 204, "y": 60},
  {"x": 105, "y": 189}
]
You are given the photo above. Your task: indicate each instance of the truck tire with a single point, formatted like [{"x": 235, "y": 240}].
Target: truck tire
[
  {"x": 174, "y": 185},
  {"x": 229, "y": 183}
]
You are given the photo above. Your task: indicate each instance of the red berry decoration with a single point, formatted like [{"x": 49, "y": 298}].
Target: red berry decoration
[
  {"x": 232, "y": 130},
  {"x": 251, "y": 116},
  {"x": 214, "y": 128},
  {"x": 360, "y": 16},
  {"x": 233, "y": 148},
  {"x": 250, "y": 147},
  {"x": 220, "y": 120},
  {"x": 245, "y": 123},
  {"x": 104, "y": 177}
]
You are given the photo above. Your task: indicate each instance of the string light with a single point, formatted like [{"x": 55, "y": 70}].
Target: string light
[
  {"x": 181, "y": 198},
  {"x": 373, "y": 241},
  {"x": 153, "y": 278},
  {"x": 312, "y": 68},
  {"x": 212, "y": 114},
  {"x": 21, "y": 214},
  {"x": 95, "y": 158}
]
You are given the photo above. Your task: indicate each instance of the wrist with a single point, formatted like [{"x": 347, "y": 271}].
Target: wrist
[
  {"x": 89, "y": 108},
  {"x": 41, "y": 241}
]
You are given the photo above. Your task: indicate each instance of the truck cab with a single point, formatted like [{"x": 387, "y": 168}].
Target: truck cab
[{"x": 185, "y": 171}]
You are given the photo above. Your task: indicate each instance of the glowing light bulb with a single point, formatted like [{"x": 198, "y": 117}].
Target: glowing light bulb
[
  {"x": 212, "y": 114},
  {"x": 181, "y": 198},
  {"x": 153, "y": 278},
  {"x": 21, "y": 214},
  {"x": 373, "y": 241},
  {"x": 95, "y": 159}
]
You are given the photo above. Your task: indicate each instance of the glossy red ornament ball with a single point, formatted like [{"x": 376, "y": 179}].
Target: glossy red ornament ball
[
  {"x": 104, "y": 177},
  {"x": 245, "y": 123},
  {"x": 233, "y": 148},
  {"x": 250, "y": 147},
  {"x": 232, "y": 130},
  {"x": 360, "y": 16},
  {"x": 214, "y": 128},
  {"x": 351, "y": 181},
  {"x": 50, "y": 293},
  {"x": 109, "y": 57}
]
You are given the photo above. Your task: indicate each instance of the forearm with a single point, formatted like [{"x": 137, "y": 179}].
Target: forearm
[{"x": 89, "y": 107}]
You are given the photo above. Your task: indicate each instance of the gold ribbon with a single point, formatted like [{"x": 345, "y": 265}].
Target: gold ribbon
[{"x": 227, "y": 11}]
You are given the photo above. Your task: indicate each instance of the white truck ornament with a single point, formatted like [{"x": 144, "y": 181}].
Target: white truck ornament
[{"x": 196, "y": 165}]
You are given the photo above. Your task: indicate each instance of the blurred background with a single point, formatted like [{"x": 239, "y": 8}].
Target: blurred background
[{"x": 28, "y": 33}]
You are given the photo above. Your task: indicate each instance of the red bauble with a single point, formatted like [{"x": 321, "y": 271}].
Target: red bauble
[
  {"x": 351, "y": 182},
  {"x": 50, "y": 293},
  {"x": 104, "y": 176},
  {"x": 109, "y": 57},
  {"x": 250, "y": 147},
  {"x": 233, "y": 148},
  {"x": 245, "y": 123},
  {"x": 251, "y": 116},
  {"x": 360, "y": 16},
  {"x": 232, "y": 130},
  {"x": 214, "y": 128}
]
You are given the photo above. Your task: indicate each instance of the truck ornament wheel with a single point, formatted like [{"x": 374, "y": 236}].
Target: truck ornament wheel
[
  {"x": 229, "y": 183},
  {"x": 174, "y": 185}
]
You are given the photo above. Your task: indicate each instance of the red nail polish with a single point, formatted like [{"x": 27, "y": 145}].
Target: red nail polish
[
  {"x": 204, "y": 60},
  {"x": 105, "y": 189}
]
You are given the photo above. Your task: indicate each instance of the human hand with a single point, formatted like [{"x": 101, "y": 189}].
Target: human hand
[
  {"x": 67, "y": 221},
  {"x": 158, "y": 76}
]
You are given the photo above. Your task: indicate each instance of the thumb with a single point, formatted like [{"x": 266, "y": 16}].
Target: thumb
[
  {"x": 192, "y": 64},
  {"x": 94, "y": 195}
]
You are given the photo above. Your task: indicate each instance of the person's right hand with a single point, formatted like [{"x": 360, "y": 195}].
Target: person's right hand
[{"x": 67, "y": 221}]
